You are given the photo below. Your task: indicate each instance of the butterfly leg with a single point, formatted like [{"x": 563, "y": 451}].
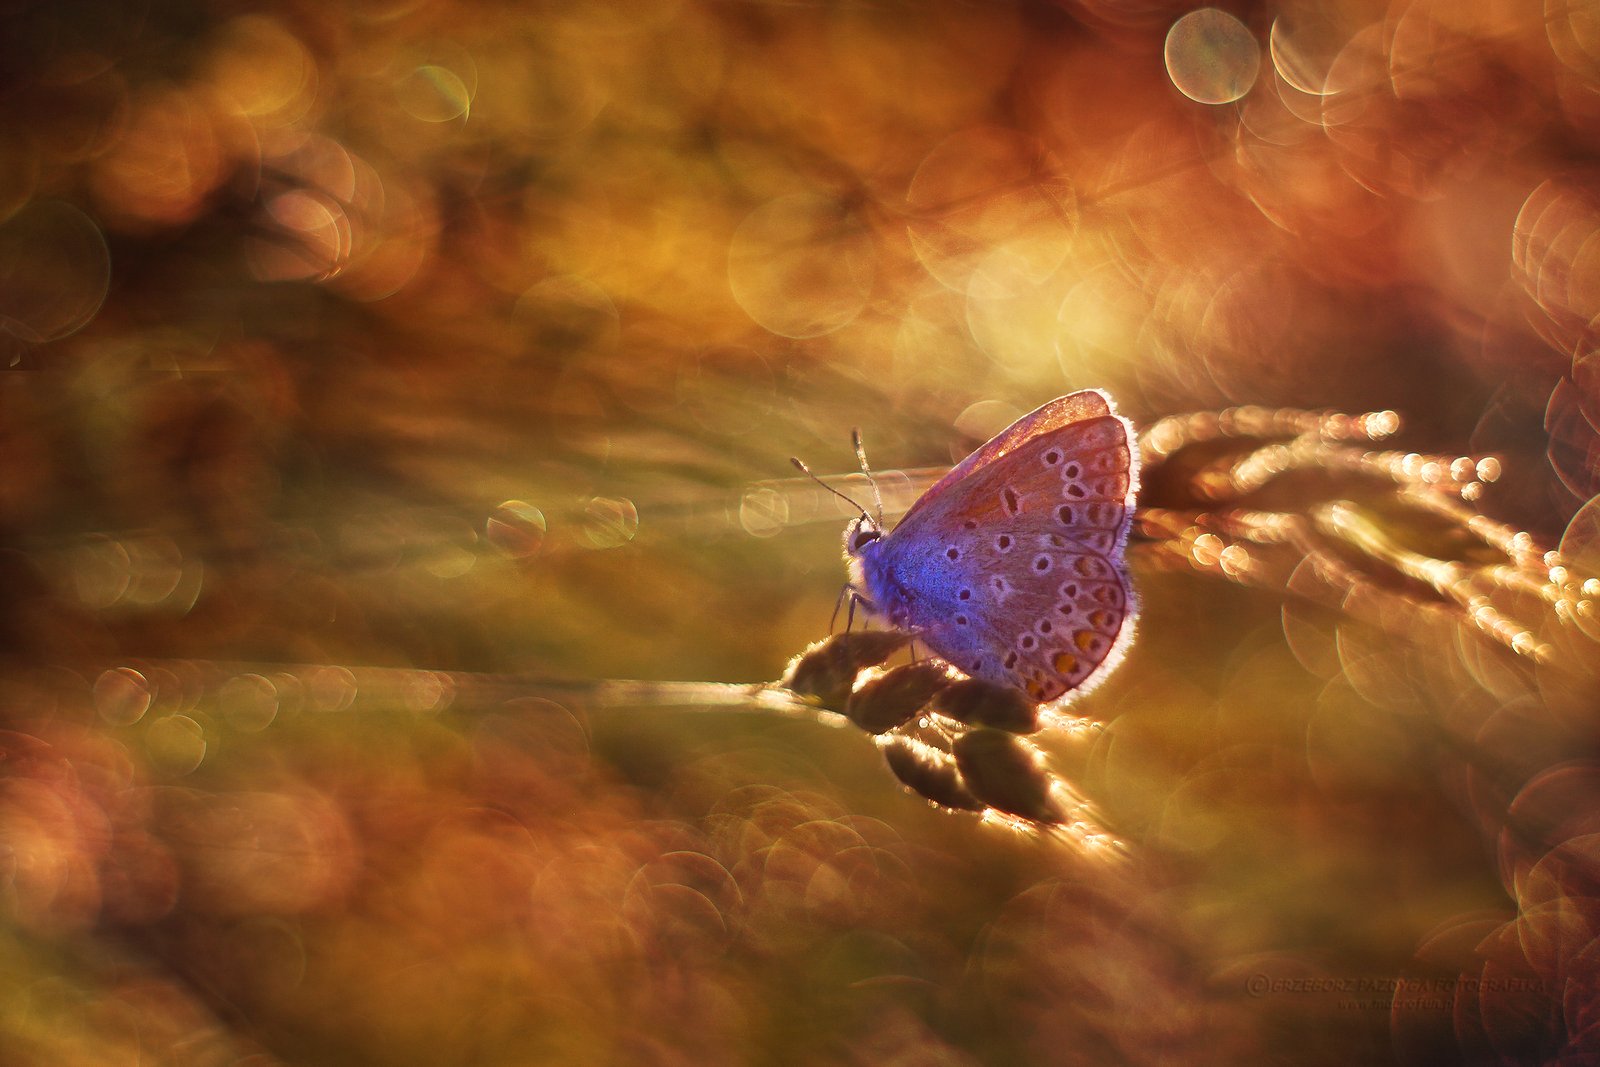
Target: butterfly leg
[
  {"x": 844, "y": 591},
  {"x": 850, "y": 616},
  {"x": 855, "y": 600}
]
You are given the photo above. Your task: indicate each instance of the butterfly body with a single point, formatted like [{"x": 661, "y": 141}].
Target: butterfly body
[{"x": 1011, "y": 566}]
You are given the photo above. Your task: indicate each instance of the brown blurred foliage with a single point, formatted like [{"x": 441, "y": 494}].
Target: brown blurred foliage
[{"x": 361, "y": 361}]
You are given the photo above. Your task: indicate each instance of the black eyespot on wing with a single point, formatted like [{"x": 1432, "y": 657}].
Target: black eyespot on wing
[
  {"x": 1003, "y": 542},
  {"x": 965, "y": 594},
  {"x": 971, "y": 524},
  {"x": 1072, "y": 470},
  {"x": 953, "y": 553},
  {"x": 961, "y": 620},
  {"x": 1052, "y": 457},
  {"x": 1076, "y": 490},
  {"x": 1041, "y": 563},
  {"x": 1066, "y": 514},
  {"x": 1009, "y": 497}
]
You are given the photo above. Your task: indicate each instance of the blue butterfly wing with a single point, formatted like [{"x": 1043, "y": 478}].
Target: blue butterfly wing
[{"x": 1014, "y": 573}]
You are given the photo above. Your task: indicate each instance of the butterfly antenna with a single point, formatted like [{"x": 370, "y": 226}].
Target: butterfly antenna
[
  {"x": 800, "y": 465},
  {"x": 861, "y": 458}
]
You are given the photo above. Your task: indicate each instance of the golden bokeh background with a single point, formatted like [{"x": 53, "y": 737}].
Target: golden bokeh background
[{"x": 384, "y": 381}]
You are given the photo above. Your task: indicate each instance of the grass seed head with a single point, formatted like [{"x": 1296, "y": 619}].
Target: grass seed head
[
  {"x": 929, "y": 773},
  {"x": 1006, "y": 773},
  {"x": 896, "y": 697},
  {"x": 979, "y": 703},
  {"x": 827, "y": 670}
]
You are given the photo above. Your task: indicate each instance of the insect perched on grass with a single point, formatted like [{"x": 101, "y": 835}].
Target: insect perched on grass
[{"x": 1011, "y": 567}]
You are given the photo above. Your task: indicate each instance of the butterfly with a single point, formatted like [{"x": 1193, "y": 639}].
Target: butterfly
[{"x": 1010, "y": 567}]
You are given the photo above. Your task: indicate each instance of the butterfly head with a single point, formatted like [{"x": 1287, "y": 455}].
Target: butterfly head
[
  {"x": 860, "y": 535},
  {"x": 867, "y": 563}
]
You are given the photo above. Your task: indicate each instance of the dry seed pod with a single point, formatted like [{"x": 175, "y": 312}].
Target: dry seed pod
[
  {"x": 1005, "y": 773},
  {"x": 929, "y": 773},
  {"x": 827, "y": 670},
  {"x": 884, "y": 702},
  {"x": 979, "y": 703}
]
